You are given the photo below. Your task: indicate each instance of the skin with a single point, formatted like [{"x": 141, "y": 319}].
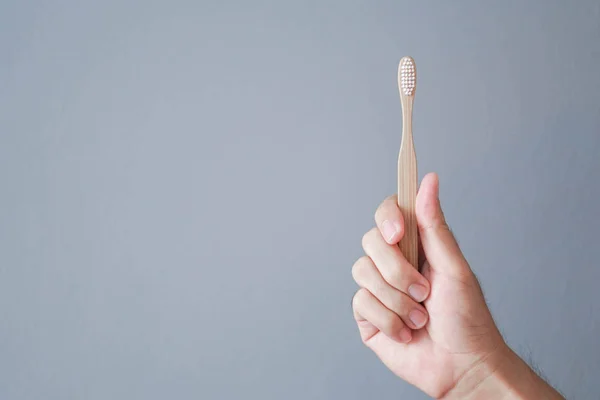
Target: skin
[{"x": 433, "y": 328}]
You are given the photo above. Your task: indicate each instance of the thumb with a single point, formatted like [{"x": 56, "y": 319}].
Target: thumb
[{"x": 439, "y": 245}]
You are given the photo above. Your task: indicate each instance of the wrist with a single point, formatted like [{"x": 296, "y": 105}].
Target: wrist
[
  {"x": 487, "y": 378},
  {"x": 502, "y": 375}
]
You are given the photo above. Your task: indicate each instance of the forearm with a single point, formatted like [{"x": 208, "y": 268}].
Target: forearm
[{"x": 503, "y": 376}]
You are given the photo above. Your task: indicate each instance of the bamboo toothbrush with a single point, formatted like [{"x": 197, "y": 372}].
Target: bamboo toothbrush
[{"x": 407, "y": 162}]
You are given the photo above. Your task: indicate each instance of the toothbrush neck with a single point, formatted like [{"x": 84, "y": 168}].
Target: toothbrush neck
[{"x": 407, "y": 119}]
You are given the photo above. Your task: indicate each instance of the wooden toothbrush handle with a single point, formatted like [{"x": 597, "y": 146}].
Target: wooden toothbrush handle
[
  {"x": 407, "y": 194},
  {"x": 407, "y": 163}
]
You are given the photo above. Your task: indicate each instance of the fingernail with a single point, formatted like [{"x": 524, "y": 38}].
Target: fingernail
[
  {"x": 389, "y": 230},
  {"x": 405, "y": 335},
  {"x": 417, "y": 292},
  {"x": 417, "y": 317}
]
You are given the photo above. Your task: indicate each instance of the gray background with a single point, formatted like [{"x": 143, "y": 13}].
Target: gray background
[{"x": 184, "y": 187}]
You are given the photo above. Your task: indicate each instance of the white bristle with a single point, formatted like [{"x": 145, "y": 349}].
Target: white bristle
[{"x": 407, "y": 75}]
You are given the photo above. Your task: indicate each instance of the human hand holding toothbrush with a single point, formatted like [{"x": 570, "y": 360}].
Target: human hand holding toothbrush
[{"x": 433, "y": 328}]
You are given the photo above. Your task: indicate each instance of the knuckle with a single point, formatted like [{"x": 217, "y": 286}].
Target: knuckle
[
  {"x": 369, "y": 238},
  {"x": 359, "y": 298},
  {"x": 361, "y": 268},
  {"x": 438, "y": 224}
]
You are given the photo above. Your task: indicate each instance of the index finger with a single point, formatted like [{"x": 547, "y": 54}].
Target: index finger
[{"x": 389, "y": 220}]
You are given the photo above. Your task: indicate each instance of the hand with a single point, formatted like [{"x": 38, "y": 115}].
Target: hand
[{"x": 432, "y": 329}]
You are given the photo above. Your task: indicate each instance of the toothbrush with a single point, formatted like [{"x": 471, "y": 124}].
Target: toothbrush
[{"x": 407, "y": 162}]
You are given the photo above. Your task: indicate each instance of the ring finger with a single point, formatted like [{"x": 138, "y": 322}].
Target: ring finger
[{"x": 367, "y": 276}]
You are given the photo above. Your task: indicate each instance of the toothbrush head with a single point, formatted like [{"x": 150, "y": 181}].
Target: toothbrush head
[{"x": 408, "y": 76}]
